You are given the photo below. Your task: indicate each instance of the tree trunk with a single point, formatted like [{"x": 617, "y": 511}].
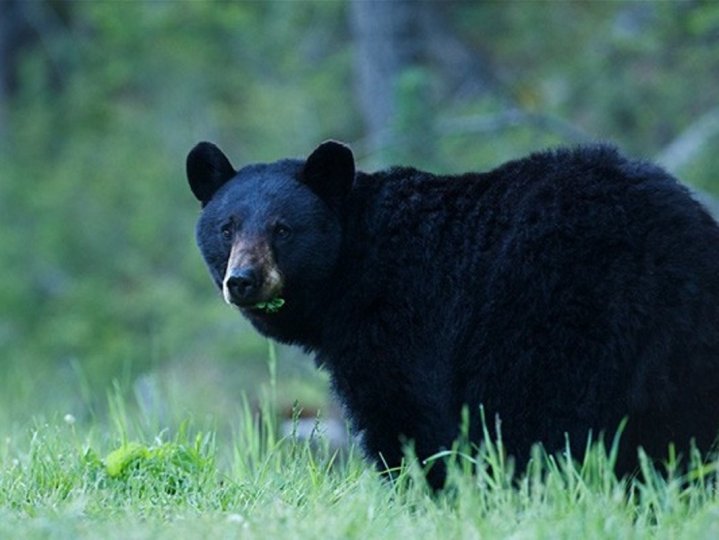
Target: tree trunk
[
  {"x": 13, "y": 35},
  {"x": 387, "y": 44}
]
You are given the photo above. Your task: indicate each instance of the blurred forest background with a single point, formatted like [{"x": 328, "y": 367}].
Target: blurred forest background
[{"x": 100, "y": 101}]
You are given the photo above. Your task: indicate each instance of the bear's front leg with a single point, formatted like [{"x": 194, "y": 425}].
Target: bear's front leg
[{"x": 394, "y": 409}]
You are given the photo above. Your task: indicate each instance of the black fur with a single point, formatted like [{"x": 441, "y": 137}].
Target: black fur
[
  {"x": 207, "y": 170},
  {"x": 563, "y": 291}
]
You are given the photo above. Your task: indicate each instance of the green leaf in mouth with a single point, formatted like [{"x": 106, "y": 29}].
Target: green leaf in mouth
[{"x": 271, "y": 306}]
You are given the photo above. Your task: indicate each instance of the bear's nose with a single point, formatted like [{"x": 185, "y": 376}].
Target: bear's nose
[{"x": 242, "y": 284}]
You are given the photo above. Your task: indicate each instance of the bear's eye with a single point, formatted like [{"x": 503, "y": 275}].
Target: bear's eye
[
  {"x": 282, "y": 231},
  {"x": 226, "y": 231}
]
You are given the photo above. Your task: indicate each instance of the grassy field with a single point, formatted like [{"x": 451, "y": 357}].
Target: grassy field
[
  {"x": 126, "y": 477},
  {"x": 122, "y": 372}
]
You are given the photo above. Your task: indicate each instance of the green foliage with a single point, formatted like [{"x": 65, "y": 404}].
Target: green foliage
[
  {"x": 100, "y": 269},
  {"x": 633, "y": 73},
  {"x": 121, "y": 460},
  {"x": 100, "y": 276},
  {"x": 53, "y": 480},
  {"x": 101, "y": 280},
  {"x": 271, "y": 306}
]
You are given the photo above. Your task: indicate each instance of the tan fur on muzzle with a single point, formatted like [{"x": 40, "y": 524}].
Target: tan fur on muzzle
[{"x": 257, "y": 255}]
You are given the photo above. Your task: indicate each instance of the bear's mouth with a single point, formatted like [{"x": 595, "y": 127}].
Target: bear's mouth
[
  {"x": 269, "y": 306},
  {"x": 253, "y": 291}
]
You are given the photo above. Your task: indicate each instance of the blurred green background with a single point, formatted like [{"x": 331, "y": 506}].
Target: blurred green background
[{"x": 100, "y": 281}]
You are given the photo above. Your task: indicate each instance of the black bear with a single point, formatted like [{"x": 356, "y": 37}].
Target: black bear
[{"x": 563, "y": 292}]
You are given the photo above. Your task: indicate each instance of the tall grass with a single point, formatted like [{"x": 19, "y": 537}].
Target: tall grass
[
  {"x": 134, "y": 475},
  {"x": 59, "y": 481}
]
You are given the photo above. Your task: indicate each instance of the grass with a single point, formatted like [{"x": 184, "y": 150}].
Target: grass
[
  {"x": 124, "y": 473},
  {"x": 61, "y": 481}
]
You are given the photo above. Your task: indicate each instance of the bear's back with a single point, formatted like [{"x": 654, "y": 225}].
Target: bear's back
[{"x": 415, "y": 234}]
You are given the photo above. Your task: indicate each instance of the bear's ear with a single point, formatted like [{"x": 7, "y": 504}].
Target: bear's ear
[
  {"x": 330, "y": 171},
  {"x": 207, "y": 170}
]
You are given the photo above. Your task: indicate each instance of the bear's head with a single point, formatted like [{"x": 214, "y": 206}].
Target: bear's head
[{"x": 270, "y": 233}]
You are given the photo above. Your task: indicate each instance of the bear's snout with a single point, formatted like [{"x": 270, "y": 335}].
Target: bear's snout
[
  {"x": 241, "y": 286},
  {"x": 252, "y": 275}
]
